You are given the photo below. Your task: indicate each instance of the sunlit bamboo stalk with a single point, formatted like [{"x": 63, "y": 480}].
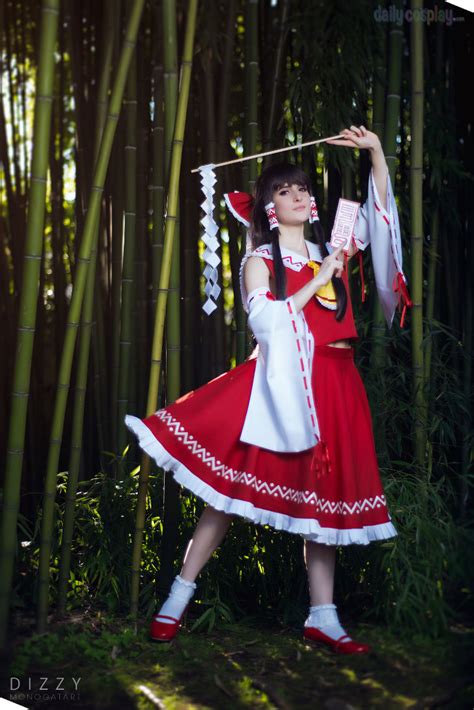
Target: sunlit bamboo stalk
[
  {"x": 158, "y": 147},
  {"x": 28, "y": 304},
  {"x": 157, "y": 345},
  {"x": 95, "y": 199}
]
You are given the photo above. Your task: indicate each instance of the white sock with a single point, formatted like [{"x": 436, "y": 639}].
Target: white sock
[
  {"x": 325, "y": 618},
  {"x": 180, "y": 593}
]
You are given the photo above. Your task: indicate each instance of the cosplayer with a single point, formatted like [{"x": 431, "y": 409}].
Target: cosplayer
[{"x": 285, "y": 438}]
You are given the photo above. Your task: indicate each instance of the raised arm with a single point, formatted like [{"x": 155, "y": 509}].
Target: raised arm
[
  {"x": 380, "y": 172},
  {"x": 361, "y": 138}
]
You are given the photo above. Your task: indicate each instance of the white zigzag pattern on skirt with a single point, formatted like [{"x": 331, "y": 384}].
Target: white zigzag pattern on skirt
[{"x": 249, "y": 479}]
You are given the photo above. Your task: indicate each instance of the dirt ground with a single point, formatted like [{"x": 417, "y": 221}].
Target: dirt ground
[{"x": 109, "y": 663}]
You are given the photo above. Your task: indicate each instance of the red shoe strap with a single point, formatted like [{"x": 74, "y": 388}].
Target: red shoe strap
[{"x": 163, "y": 616}]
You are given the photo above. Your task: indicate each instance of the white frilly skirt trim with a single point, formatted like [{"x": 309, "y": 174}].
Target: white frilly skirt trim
[{"x": 308, "y": 528}]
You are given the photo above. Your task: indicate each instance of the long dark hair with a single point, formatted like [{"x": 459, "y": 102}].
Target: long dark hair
[{"x": 272, "y": 179}]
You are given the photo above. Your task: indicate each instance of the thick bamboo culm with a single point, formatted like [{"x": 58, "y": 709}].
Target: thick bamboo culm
[
  {"x": 157, "y": 344},
  {"x": 128, "y": 266},
  {"x": 379, "y": 127},
  {"x": 416, "y": 199},
  {"x": 75, "y": 308},
  {"x": 84, "y": 339},
  {"x": 28, "y": 304},
  {"x": 173, "y": 310}
]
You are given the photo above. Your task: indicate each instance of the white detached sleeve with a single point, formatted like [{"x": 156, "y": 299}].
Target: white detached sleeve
[
  {"x": 281, "y": 414},
  {"x": 381, "y": 229}
]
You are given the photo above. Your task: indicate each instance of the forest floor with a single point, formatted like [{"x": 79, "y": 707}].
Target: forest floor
[{"x": 242, "y": 665}]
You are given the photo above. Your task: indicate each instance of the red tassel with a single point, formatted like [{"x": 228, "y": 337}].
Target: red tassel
[
  {"x": 404, "y": 299},
  {"x": 320, "y": 462}
]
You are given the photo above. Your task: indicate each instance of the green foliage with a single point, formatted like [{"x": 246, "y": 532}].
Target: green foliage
[
  {"x": 101, "y": 552},
  {"x": 415, "y": 581},
  {"x": 248, "y": 666}
]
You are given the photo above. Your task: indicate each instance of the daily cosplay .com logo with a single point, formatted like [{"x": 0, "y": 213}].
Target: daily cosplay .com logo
[
  {"x": 397, "y": 15},
  {"x": 44, "y": 689}
]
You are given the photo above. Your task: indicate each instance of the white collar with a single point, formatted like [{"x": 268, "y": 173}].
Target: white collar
[{"x": 290, "y": 258}]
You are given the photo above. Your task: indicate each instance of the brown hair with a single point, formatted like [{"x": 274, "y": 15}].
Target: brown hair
[{"x": 270, "y": 181}]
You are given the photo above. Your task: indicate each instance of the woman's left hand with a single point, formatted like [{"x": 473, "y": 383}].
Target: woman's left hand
[{"x": 357, "y": 137}]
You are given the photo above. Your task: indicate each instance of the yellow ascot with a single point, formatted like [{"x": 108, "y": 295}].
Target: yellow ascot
[{"x": 326, "y": 295}]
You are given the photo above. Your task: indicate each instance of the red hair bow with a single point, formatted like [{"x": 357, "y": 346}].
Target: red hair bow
[{"x": 240, "y": 204}]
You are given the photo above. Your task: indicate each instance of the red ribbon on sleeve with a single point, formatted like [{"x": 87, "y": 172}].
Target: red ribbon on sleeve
[{"x": 404, "y": 299}]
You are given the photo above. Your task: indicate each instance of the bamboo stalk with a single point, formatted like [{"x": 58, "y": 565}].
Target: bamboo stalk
[
  {"x": 251, "y": 85},
  {"x": 173, "y": 315},
  {"x": 117, "y": 245},
  {"x": 466, "y": 428},
  {"x": 128, "y": 267},
  {"x": 85, "y": 340},
  {"x": 157, "y": 345},
  {"x": 226, "y": 81},
  {"x": 385, "y": 124},
  {"x": 142, "y": 334},
  {"x": 28, "y": 304},
  {"x": 190, "y": 292},
  {"x": 213, "y": 326},
  {"x": 276, "y": 79},
  {"x": 386, "y": 113},
  {"x": 117, "y": 187},
  {"x": 92, "y": 216},
  {"x": 433, "y": 255},
  {"x": 158, "y": 171},
  {"x": 250, "y": 132},
  {"x": 416, "y": 196},
  {"x": 433, "y": 259}
]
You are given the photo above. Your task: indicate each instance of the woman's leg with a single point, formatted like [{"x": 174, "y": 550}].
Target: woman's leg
[
  {"x": 208, "y": 535},
  {"x": 320, "y": 563}
]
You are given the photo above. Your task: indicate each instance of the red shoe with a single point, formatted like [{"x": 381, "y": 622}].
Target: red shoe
[
  {"x": 339, "y": 646},
  {"x": 161, "y": 631}
]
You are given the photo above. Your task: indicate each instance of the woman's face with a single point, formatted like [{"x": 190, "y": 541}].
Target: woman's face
[{"x": 292, "y": 204}]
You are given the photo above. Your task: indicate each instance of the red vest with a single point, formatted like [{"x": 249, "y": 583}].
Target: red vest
[{"x": 321, "y": 321}]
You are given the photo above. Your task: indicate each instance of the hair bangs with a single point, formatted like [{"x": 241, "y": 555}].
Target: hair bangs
[{"x": 284, "y": 174}]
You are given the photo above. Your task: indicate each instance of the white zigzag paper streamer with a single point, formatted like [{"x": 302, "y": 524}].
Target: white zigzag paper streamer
[{"x": 212, "y": 260}]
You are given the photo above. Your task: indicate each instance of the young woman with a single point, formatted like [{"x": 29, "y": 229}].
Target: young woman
[{"x": 285, "y": 439}]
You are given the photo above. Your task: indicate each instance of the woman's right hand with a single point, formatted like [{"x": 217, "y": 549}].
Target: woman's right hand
[{"x": 332, "y": 265}]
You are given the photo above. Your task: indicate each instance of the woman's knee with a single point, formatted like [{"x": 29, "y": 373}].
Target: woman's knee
[{"x": 219, "y": 513}]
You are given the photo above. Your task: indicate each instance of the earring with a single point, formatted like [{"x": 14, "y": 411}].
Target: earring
[
  {"x": 271, "y": 214},
  {"x": 314, "y": 216}
]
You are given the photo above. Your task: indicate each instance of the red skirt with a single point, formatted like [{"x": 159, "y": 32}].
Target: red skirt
[{"x": 198, "y": 439}]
